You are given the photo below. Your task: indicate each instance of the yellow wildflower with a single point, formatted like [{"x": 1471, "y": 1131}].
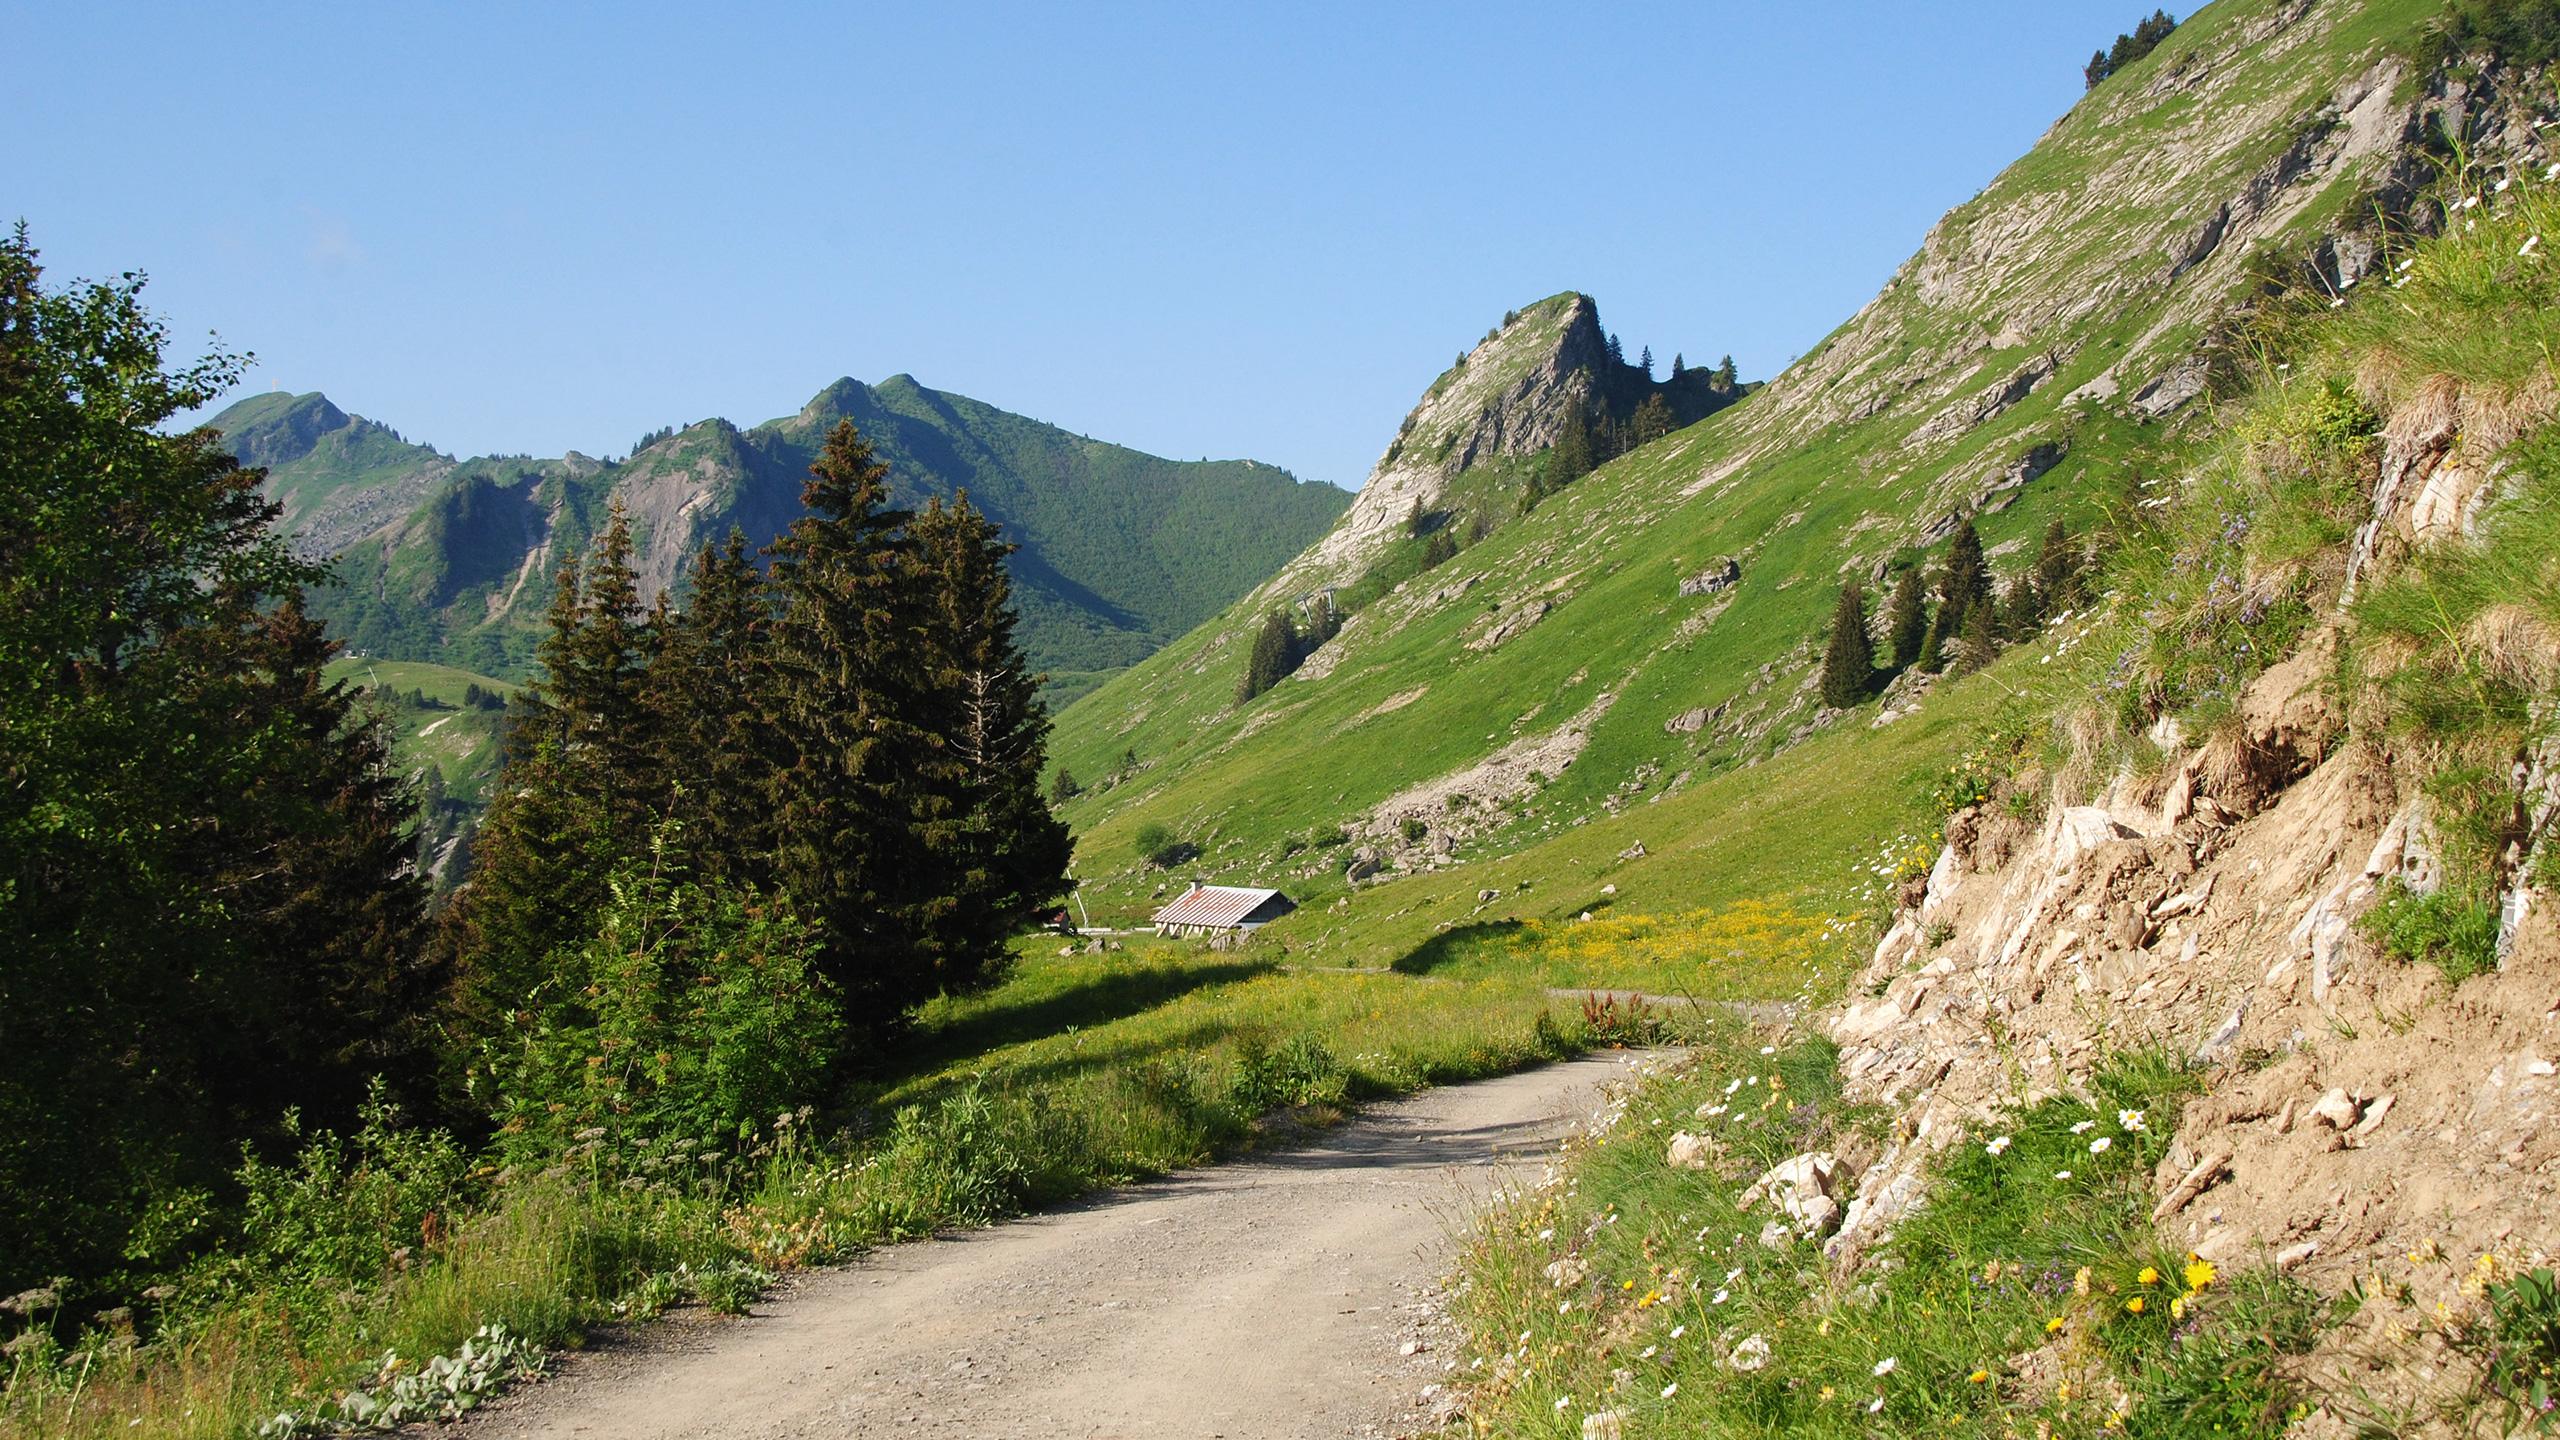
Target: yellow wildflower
[
  {"x": 2178, "y": 1306},
  {"x": 1978, "y": 1377},
  {"x": 2053, "y": 1325},
  {"x": 2150, "y": 1275},
  {"x": 2080, "y": 1282},
  {"x": 1828, "y": 1392},
  {"x": 2133, "y": 1306},
  {"x": 2201, "y": 1273}
]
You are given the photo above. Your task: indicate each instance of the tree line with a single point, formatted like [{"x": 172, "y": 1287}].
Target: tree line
[
  {"x": 730, "y": 846},
  {"x": 1954, "y": 619}
]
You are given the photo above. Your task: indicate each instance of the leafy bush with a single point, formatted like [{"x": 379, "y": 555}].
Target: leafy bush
[
  {"x": 342, "y": 1211},
  {"x": 1299, "y": 1071},
  {"x": 698, "y": 1011},
  {"x": 1158, "y": 845}
]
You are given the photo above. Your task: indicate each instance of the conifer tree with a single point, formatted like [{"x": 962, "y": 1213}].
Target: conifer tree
[
  {"x": 595, "y": 674},
  {"x": 1725, "y": 377},
  {"x": 1906, "y": 618},
  {"x": 1063, "y": 787},
  {"x": 1644, "y": 362},
  {"x": 1575, "y": 454},
  {"x": 1617, "y": 354},
  {"x": 713, "y": 747},
  {"x": 1275, "y": 656},
  {"x": 2057, "y": 571},
  {"x": 1679, "y": 366},
  {"x": 999, "y": 854},
  {"x": 1963, "y": 583},
  {"x": 1981, "y": 639},
  {"x": 550, "y": 838},
  {"x": 847, "y": 682},
  {"x": 1652, "y": 419},
  {"x": 1848, "y": 663},
  {"x": 2021, "y": 609},
  {"x": 205, "y": 902}
]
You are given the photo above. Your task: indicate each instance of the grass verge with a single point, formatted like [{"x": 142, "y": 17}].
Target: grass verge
[{"x": 1079, "y": 1072}]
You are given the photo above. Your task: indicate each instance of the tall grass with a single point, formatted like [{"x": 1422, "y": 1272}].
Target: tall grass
[{"x": 1079, "y": 1072}]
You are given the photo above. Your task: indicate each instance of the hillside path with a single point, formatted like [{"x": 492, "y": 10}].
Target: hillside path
[{"x": 1272, "y": 1297}]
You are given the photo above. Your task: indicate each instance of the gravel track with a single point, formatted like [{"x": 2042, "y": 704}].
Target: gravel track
[{"x": 1281, "y": 1296}]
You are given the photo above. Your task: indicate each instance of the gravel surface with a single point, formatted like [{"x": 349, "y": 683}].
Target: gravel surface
[{"x": 1290, "y": 1295}]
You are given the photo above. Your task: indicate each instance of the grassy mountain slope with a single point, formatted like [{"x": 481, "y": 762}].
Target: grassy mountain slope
[
  {"x": 450, "y": 561},
  {"x": 1553, "y": 675}
]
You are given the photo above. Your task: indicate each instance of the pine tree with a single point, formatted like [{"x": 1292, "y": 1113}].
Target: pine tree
[
  {"x": 1725, "y": 377},
  {"x": 550, "y": 838},
  {"x": 1000, "y": 855},
  {"x": 1652, "y": 420},
  {"x": 1848, "y": 664},
  {"x": 1063, "y": 786},
  {"x": 1275, "y": 655},
  {"x": 1575, "y": 453},
  {"x": 594, "y": 670},
  {"x": 2057, "y": 572},
  {"x": 1906, "y": 618},
  {"x": 1679, "y": 366},
  {"x": 1617, "y": 354},
  {"x": 2095, "y": 71},
  {"x": 846, "y": 682},
  {"x": 1981, "y": 639},
  {"x": 2021, "y": 609},
  {"x": 714, "y": 750},
  {"x": 1644, "y": 362},
  {"x": 1963, "y": 584}
]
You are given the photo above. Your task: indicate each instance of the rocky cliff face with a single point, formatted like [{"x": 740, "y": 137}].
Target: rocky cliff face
[
  {"x": 1508, "y": 398},
  {"x": 2362, "y": 1119}
]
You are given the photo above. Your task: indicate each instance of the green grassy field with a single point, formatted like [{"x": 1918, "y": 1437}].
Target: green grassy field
[
  {"x": 461, "y": 742},
  {"x": 1816, "y": 479}
]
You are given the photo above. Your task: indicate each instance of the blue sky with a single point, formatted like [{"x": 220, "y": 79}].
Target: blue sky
[{"x": 1217, "y": 230}]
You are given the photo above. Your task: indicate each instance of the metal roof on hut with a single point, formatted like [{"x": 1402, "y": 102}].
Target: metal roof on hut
[{"x": 1206, "y": 909}]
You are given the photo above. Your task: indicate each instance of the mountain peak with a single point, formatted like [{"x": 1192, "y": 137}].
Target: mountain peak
[
  {"x": 1507, "y": 399},
  {"x": 277, "y": 428}
]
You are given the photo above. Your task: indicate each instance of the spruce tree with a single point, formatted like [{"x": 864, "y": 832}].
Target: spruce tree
[
  {"x": 1652, "y": 420},
  {"x": 1679, "y": 366},
  {"x": 1617, "y": 354},
  {"x": 1644, "y": 362},
  {"x": 1725, "y": 376},
  {"x": 846, "y": 682},
  {"x": 1275, "y": 655},
  {"x": 549, "y": 839},
  {"x": 1063, "y": 787},
  {"x": 1575, "y": 453},
  {"x": 1848, "y": 664},
  {"x": 1964, "y": 583},
  {"x": 2057, "y": 572},
  {"x": 1981, "y": 639},
  {"x": 2021, "y": 609},
  {"x": 1906, "y": 619},
  {"x": 999, "y": 854},
  {"x": 713, "y": 747}
]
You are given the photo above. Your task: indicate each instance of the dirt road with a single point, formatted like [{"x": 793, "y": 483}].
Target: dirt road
[{"x": 1270, "y": 1298}]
